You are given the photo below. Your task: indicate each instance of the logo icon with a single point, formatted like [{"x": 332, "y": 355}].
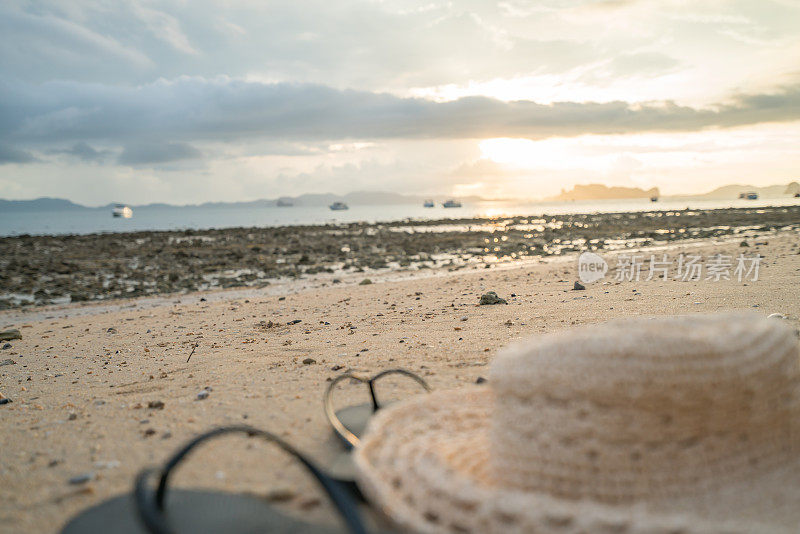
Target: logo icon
[{"x": 591, "y": 267}]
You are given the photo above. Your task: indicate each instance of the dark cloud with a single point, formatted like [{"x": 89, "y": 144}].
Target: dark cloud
[
  {"x": 84, "y": 151},
  {"x": 158, "y": 122},
  {"x": 10, "y": 154},
  {"x": 157, "y": 153}
]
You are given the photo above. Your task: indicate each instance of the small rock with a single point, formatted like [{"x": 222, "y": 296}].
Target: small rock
[
  {"x": 156, "y": 405},
  {"x": 203, "y": 395},
  {"x": 280, "y": 495},
  {"x": 111, "y": 330},
  {"x": 202, "y": 299},
  {"x": 7, "y": 361},
  {"x": 9, "y": 335},
  {"x": 578, "y": 287},
  {"x": 309, "y": 361},
  {"x": 7, "y": 346},
  {"x": 743, "y": 244},
  {"x": 149, "y": 432},
  {"x": 5, "y": 401},
  {"x": 491, "y": 298},
  {"x": 72, "y": 416},
  {"x": 337, "y": 367},
  {"x": 365, "y": 282},
  {"x": 480, "y": 380},
  {"x": 81, "y": 479},
  {"x": 295, "y": 321}
]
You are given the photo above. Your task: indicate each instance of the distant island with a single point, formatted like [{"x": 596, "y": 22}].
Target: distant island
[
  {"x": 382, "y": 198},
  {"x": 368, "y": 198},
  {"x": 603, "y": 192},
  {"x": 770, "y": 191}
]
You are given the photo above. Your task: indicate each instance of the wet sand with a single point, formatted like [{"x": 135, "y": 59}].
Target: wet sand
[{"x": 83, "y": 376}]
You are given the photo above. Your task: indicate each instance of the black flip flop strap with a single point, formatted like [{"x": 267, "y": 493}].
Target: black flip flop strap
[
  {"x": 151, "y": 507},
  {"x": 351, "y": 439}
]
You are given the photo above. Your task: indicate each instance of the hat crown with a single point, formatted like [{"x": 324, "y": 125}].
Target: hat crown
[{"x": 645, "y": 408}]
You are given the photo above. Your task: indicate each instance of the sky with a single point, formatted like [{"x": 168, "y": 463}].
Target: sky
[{"x": 191, "y": 101}]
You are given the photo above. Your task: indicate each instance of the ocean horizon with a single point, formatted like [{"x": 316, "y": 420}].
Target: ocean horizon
[{"x": 165, "y": 218}]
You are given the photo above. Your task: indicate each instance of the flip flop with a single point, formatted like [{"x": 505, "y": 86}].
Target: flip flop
[
  {"x": 350, "y": 422},
  {"x": 173, "y": 511}
]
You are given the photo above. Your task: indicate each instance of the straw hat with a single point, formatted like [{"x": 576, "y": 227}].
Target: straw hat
[{"x": 675, "y": 425}]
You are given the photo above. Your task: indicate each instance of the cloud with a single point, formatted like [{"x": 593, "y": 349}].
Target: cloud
[
  {"x": 157, "y": 153},
  {"x": 10, "y": 154},
  {"x": 85, "y": 152},
  {"x": 158, "y": 122}
]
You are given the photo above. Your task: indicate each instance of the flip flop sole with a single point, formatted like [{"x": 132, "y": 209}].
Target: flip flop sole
[
  {"x": 196, "y": 512},
  {"x": 355, "y": 418}
]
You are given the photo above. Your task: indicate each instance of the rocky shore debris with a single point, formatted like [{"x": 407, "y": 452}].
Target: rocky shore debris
[
  {"x": 10, "y": 335},
  {"x": 53, "y": 269},
  {"x": 491, "y": 298},
  {"x": 578, "y": 286}
]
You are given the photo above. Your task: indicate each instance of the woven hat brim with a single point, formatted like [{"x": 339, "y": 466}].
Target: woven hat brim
[{"x": 425, "y": 463}]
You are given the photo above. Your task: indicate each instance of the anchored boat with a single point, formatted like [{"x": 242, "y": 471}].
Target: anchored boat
[{"x": 121, "y": 210}]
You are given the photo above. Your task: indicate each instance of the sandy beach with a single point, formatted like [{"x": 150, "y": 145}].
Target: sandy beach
[{"x": 88, "y": 381}]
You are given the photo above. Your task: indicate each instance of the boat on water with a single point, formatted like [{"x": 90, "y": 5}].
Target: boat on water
[
  {"x": 122, "y": 211},
  {"x": 653, "y": 199},
  {"x": 338, "y": 206},
  {"x": 752, "y": 196},
  {"x": 428, "y": 204},
  {"x": 452, "y": 203},
  {"x": 284, "y": 202}
]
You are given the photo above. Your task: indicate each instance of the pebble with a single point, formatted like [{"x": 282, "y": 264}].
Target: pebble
[
  {"x": 5, "y": 401},
  {"x": 480, "y": 380},
  {"x": 579, "y": 287},
  {"x": 7, "y": 346},
  {"x": 7, "y": 361},
  {"x": 295, "y": 321},
  {"x": 81, "y": 479},
  {"x": 111, "y": 330},
  {"x": 491, "y": 298},
  {"x": 156, "y": 405},
  {"x": 309, "y": 361},
  {"x": 280, "y": 495},
  {"x": 9, "y": 335},
  {"x": 365, "y": 282},
  {"x": 337, "y": 367},
  {"x": 203, "y": 395}
]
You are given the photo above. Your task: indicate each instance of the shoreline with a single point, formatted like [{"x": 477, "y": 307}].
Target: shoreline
[
  {"x": 283, "y": 288},
  {"x": 55, "y": 270}
]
